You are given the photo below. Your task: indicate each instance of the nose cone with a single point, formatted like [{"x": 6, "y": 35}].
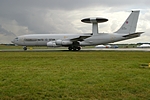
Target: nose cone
[{"x": 14, "y": 40}]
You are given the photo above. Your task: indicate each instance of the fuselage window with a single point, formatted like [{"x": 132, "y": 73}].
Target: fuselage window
[
  {"x": 51, "y": 39},
  {"x": 40, "y": 39},
  {"x": 30, "y": 39}
]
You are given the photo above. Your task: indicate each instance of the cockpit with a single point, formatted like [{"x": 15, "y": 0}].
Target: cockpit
[{"x": 15, "y": 40}]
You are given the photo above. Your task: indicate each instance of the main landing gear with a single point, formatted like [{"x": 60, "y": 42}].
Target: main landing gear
[
  {"x": 70, "y": 48},
  {"x": 74, "y": 48}
]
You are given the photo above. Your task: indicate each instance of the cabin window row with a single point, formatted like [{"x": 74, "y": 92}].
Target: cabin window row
[{"x": 39, "y": 39}]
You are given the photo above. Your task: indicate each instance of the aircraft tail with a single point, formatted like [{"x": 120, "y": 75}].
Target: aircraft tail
[{"x": 129, "y": 26}]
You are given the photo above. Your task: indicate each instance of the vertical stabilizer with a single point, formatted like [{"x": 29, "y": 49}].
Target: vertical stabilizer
[{"x": 129, "y": 26}]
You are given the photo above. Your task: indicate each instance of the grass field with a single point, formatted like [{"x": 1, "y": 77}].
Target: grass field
[{"x": 74, "y": 75}]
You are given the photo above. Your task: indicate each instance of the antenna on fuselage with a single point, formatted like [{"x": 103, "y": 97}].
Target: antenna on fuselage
[{"x": 94, "y": 22}]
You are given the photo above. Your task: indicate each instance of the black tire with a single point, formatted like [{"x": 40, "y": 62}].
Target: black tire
[
  {"x": 74, "y": 48},
  {"x": 24, "y": 48},
  {"x": 79, "y": 48}
]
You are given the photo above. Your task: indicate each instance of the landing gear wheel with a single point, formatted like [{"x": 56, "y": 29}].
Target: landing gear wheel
[
  {"x": 74, "y": 48},
  {"x": 70, "y": 48},
  {"x": 78, "y": 48},
  {"x": 25, "y": 48}
]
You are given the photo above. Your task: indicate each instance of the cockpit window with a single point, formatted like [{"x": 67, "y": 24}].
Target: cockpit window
[{"x": 16, "y": 38}]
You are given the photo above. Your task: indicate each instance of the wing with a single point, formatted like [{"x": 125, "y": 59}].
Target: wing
[{"x": 80, "y": 38}]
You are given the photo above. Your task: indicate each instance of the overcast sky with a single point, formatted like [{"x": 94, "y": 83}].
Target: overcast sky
[{"x": 20, "y": 17}]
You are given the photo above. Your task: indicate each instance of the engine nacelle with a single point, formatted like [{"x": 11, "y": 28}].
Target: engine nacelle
[
  {"x": 51, "y": 44},
  {"x": 60, "y": 42}
]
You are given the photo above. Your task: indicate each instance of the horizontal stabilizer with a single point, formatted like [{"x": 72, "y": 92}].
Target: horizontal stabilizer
[
  {"x": 80, "y": 38},
  {"x": 133, "y": 34}
]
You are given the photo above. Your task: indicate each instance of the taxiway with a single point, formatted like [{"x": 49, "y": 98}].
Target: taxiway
[{"x": 83, "y": 49}]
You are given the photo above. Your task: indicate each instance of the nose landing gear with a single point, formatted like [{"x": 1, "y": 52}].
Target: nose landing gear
[{"x": 25, "y": 48}]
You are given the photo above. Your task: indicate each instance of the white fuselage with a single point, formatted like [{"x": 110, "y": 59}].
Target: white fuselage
[
  {"x": 43, "y": 39},
  {"x": 74, "y": 41}
]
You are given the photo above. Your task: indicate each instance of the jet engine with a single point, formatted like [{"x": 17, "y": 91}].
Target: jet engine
[
  {"x": 51, "y": 44},
  {"x": 60, "y": 42}
]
